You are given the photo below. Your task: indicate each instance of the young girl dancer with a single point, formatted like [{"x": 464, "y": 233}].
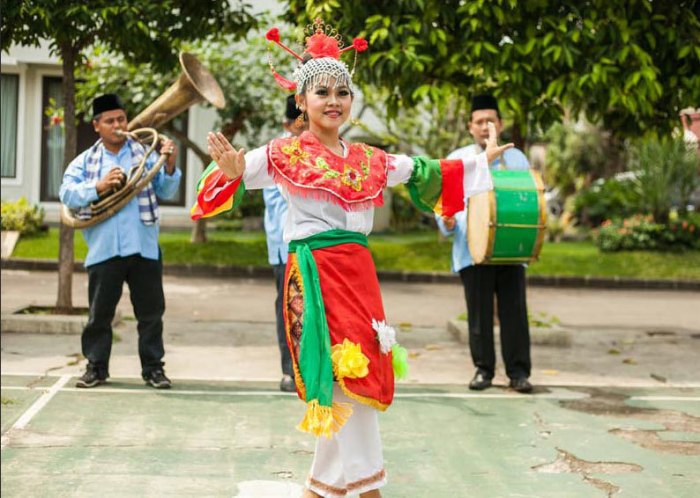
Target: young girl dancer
[{"x": 344, "y": 353}]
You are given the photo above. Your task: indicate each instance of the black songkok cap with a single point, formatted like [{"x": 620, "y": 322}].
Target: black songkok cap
[
  {"x": 480, "y": 102},
  {"x": 106, "y": 102},
  {"x": 291, "y": 113}
]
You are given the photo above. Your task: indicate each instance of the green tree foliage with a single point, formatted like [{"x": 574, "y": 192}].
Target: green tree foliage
[
  {"x": 435, "y": 128},
  {"x": 153, "y": 30},
  {"x": 143, "y": 31},
  {"x": 630, "y": 65}
]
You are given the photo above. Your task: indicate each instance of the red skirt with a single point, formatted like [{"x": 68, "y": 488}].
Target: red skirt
[{"x": 351, "y": 298}]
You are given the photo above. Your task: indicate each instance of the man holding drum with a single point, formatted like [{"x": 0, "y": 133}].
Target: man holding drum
[{"x": 481, "y": 282}]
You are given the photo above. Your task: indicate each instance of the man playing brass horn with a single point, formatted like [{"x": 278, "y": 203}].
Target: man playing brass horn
[{"x": 124, "y": 247}]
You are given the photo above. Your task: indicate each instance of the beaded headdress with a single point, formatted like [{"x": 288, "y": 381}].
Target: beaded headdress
[{"x": 320, "y": 61}]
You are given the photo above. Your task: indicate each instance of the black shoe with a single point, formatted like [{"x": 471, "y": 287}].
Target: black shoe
[
  {"x": 521, "y": 384},
  {"x": 287, "y": 385},
  {"x": 480, "y": 381},
  {"x": 157, "y": 379},
  {"x": 90, "y": 378}
]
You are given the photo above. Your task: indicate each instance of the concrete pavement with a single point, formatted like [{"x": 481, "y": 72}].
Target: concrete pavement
[
  {"x": 616, "y": 413},
  {"x": 224, "y": 328}
]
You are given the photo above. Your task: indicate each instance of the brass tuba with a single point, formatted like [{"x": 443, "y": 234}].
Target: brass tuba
[{"x": 194, "y": 85}]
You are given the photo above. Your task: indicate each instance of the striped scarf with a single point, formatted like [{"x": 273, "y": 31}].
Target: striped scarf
[{"x": 148, "y": 205}]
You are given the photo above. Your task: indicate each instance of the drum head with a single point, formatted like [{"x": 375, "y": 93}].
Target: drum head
[{"x": 479, "y": 216}]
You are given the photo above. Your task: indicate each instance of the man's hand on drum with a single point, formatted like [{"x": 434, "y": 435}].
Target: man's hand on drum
[
  {"x": 493, "y": 150},
  {"x": 229, "y": 160}
]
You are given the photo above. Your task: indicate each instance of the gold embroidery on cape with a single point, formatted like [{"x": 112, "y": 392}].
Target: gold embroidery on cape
[
  {"x": 350, "y": 176},
  {"x": 295, "y": 153}
]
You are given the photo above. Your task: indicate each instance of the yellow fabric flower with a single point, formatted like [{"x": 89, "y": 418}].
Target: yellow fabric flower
[{"x": 349, "y": 361}]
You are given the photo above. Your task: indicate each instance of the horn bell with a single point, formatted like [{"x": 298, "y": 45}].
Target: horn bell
[{"x": 194, "y": 85}]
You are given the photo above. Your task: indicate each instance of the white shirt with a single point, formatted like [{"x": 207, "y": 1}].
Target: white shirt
[{"x": 308, "y": 216}]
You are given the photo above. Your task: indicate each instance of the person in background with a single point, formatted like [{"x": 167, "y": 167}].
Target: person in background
[
  {"x": 277, "y": 248},
  {"x": 481, "y": 282},
  {"x": 124, "y": 247}
]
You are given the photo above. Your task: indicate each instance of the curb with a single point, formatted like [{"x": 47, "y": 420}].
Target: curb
[
  {"x": 16, "y": 323},
  {"x": 250, "y": 271}
]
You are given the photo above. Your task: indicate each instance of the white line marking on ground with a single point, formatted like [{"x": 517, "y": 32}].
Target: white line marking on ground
[
  {"x": 193, "y": 392},
  {"x": 40, "y": 403}
]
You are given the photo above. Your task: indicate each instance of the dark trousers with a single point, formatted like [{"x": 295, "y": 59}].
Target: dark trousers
[
  {"x": 507, "y": 282},
  {"x": 285, "y": 355},
  {"x": 105, "y": 282}
]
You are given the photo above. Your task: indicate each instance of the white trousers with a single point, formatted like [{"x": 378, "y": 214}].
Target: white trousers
[{"x": 351, "y": 462}]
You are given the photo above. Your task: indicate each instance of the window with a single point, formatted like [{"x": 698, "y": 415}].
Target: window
[
  {"x": 9, "y": 92},
  {"x": 52, "y": 141}
]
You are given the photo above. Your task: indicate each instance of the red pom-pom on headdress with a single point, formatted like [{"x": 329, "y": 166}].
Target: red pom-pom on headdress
[
  {"x": 273, "y": 35},
  {"x": 360, "y": 44}
]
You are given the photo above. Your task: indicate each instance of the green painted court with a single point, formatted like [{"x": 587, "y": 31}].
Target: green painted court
[{"x": 237, "y": 439}]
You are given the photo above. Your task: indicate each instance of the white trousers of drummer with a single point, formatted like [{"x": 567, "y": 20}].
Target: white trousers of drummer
[{"x": 351, "y": 462}]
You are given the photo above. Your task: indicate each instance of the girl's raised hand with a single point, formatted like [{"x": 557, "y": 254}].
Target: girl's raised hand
[{"x": 229, "y": 160}]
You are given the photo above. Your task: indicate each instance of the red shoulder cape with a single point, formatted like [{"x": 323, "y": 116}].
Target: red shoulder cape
[{"x": 307, "y": 168}]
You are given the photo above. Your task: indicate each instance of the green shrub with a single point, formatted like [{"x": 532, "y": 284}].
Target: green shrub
[
  {"x": 642, "y": 233},
  {"x": 22, "y": 216},
  {"x": 605, "y": 199}
]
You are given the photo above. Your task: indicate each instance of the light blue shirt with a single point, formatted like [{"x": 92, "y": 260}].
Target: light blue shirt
[
  {"x": 461, "y": 258},
  {"x": 275, "y": 218},
  {"x": 122, "y": 234}
]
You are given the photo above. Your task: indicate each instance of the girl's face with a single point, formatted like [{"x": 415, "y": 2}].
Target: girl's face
[{"x": 328, "y": 107}]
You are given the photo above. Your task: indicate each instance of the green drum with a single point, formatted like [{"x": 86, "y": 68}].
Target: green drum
[{"x": 506, "y": 225}]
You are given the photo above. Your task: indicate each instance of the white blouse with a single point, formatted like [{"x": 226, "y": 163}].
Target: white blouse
[{"x": 306, "y": 216}]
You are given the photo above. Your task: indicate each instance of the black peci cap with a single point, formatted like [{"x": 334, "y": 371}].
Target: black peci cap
[
  {"x": 106, "y": 102},
  {"x": 485, "y": 101}
]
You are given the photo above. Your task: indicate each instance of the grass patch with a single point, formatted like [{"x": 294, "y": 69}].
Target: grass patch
[{"x": 420, "y": 251}]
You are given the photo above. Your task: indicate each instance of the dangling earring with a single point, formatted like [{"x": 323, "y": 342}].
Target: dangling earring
[{"x": 301, "y": 119}]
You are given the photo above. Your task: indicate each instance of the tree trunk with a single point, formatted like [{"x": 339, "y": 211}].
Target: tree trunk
[
  {"x": 199, "y": 232},
  {"x": 64, "y": 301},
  {"x": 517, "y": 135}
]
